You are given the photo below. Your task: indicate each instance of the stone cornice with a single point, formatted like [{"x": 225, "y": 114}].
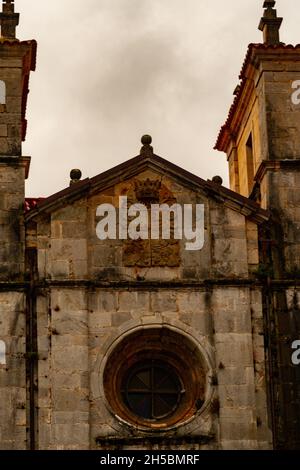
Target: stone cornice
[
  {"x": 16, "y": 161},
  {"x": 275, "y": 165}
]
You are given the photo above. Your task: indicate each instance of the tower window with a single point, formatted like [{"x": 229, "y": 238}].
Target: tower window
[
  {"x": 2, "y": 353},
  {"x": 2, "y": 92},
  {"x": 250, "y": 163}
]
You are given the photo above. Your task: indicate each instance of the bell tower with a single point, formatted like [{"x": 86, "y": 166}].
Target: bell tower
[
  {"x": 17, "y": 59},
  {"x": 261, "y": 138}
]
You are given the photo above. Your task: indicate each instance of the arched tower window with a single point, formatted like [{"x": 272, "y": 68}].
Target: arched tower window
[
  {"x": 250, "y": 163},
  {"x": 2, "y": 353},
  {"x": 2, "y": 92}
]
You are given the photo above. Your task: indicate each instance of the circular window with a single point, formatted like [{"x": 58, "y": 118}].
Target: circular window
[
  {"x": 153, "y": 390},
  {"x": 155, "y": 378}
]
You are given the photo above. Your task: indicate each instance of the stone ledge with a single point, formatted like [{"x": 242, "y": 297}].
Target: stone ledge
[
  {"x": 145, "y": 285},
  {"x": 159, "y": 439}
]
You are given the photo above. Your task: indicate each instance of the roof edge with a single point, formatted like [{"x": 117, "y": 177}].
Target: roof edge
[
  {"x": 226, "y": 130},
  {"x": 127, "y": 169}
]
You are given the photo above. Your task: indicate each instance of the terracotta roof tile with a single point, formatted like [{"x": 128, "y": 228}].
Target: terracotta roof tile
[{"x": 31, "y": 202}]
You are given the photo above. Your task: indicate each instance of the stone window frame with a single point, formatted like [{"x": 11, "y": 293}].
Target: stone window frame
[
  {"x": 186, "y": 414},
  {"x": 250, "y": 161},
  {"x": 2, "y": 92},
  {"x": 2, "y": 353}
]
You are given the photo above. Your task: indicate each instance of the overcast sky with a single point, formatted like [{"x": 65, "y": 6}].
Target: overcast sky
[{"x": 109, "y": 71}]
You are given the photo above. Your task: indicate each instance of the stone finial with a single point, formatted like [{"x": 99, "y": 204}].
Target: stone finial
[
  {"x": 75, "y": 176},
  {"x": 9, "y": 20},
  {"x": 217, "y": 180},
  {"x": 147, "y": 149},
  {"x": 270, "y": 24}
]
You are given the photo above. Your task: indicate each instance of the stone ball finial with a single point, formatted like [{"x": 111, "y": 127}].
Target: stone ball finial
[
  {"x": 147, "y": 149},
  {"x": 75, "y": 176},
  {"x": 217, "y": 180},
  {"x": 146, "y": 140}
]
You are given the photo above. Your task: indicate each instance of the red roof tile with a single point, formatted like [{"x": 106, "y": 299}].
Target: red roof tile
[{"x": 31, "y": 203}]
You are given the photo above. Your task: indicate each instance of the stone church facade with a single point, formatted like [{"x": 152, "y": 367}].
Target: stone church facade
[{"x": 142, "y": 344}]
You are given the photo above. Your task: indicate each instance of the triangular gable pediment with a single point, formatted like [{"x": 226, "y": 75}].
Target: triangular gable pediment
[{"x": 137, "y": 165}]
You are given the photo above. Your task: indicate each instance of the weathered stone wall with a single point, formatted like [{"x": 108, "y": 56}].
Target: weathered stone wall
[
  {"x": 289, "y": 321},
  {"x": 11, "y": 72},
  {"x": 283, "y": 116},
  {"x": 238, "y": 324},
  {"x": 63, "y": 370},
  {"x": 271, "y": 118},
  {"x": 13, "y": 405},
  {"x": 12, "y": 229},
  {"x": 12, "y": 374},
  {"x": 90, "y": 298},
  {"x": 254, "y": 124},
  {"x": 251, "y": 127},
  {"x": 79, "y": 327},
  {"x": 282, "y": 189},
  {"x": 283, "y": 330},
  {"x": 267, "y": 108},
  {"x": 77, "y": 253}
]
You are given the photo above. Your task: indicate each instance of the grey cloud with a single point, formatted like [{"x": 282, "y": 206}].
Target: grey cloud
[{"x": 110, "y": 70}]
